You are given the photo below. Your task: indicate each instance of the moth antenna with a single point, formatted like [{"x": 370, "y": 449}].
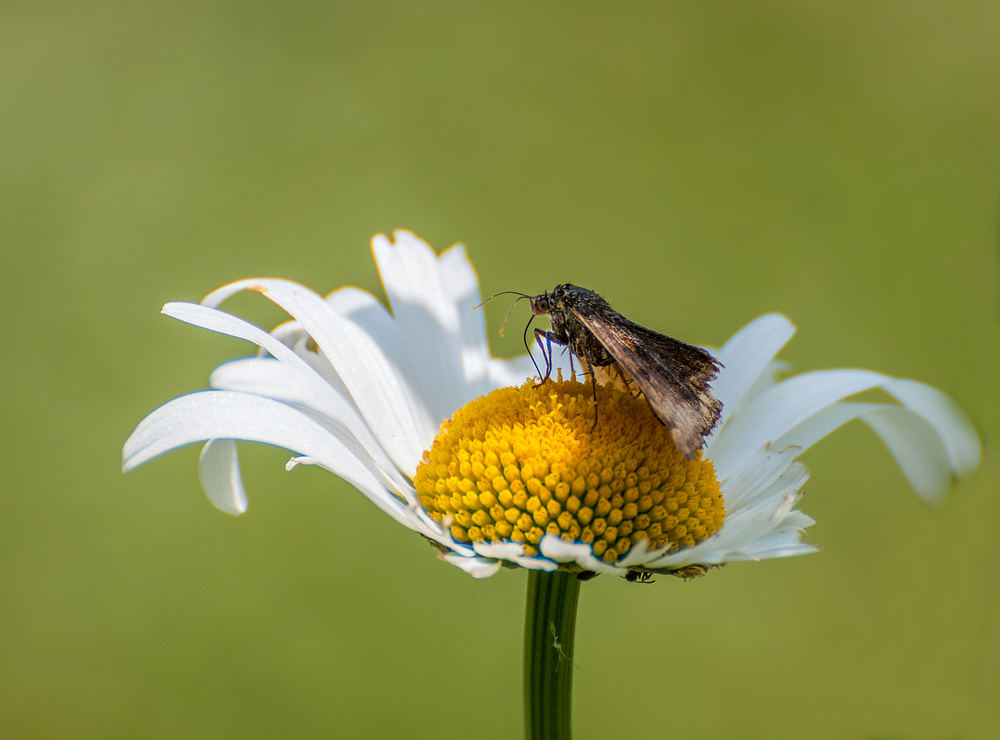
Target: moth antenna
[
  {"x": 511, "y": 310},
  {"x": 504, "y": 292}
]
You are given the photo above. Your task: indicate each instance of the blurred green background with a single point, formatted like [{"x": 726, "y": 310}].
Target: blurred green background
[{"x": 698, "y": 164}]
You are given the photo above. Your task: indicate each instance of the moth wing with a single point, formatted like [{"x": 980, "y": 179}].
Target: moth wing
[{"x": 672, "y": 375}]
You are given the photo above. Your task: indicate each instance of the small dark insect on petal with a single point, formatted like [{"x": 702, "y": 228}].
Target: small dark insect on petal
[{"x": 639, "y": 576}]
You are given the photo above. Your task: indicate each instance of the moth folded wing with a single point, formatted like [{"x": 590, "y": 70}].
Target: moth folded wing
[{"x": 672, "y": 375}]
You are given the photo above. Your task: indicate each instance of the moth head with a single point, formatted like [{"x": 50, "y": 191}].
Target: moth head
[{"x": 541, "y": 305}]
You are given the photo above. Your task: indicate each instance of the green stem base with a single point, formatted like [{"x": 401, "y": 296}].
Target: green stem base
[{"x": 549, "y": 629}]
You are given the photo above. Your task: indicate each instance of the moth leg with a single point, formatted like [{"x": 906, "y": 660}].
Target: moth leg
[
  {"x": 593, "y": 384},
  {"x": 546, "y": 348}
]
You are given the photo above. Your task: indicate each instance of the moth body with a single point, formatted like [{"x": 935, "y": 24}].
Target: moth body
[{"x": 673, "y": 376}]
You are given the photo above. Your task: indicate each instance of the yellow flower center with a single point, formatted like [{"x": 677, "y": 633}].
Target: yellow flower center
[{"x": 522, "y": 462}]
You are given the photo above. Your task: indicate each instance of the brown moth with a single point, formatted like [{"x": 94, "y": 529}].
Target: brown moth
[{"x": 672, "y": 376}]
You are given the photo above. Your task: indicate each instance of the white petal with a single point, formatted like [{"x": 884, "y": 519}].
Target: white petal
[
  {"x": 793, "y": 401},
  {"x": 322, "y": 367},
  {"x": 917, "y": 448},
  {"x": 382, "y": 392},
  {"x": 513, "y": 552},
  {"x": 404, "y": 350},
  {"x": 771, "y": 548},
  {"x": 764, "y": 522},
  {"x": 307, "y": 391},
  {"x": 813, "y": 429},
  {"x": 743, "y": 524},
  {"x": 292, "y": 379},
  {"x": 462, "y": 284},
  {"x": 765, "y": 381},
  {"x": 475, "y": 567},
  {"x": 566, "y": 551},
  {"x": 640, "y": 554},
  {"x": 745, "y": 357},
  {"x": 411, "y": 277},
  {"x": 797, "y": 520},
  {"x": 782, "y": 408},
  {"x": 206, "y": 415},
  {"x": 294, "y": 462},
  {"x": 427, "y": 316},
  {"x": 511, "y": 372},
  {"x": 781, "y": 530},
  {"x": 298, "y": 385},
  {"x": 289, "y": 333},
  {"x": 762, "y": 512},
  {"x": 225, "y": 323},
  {"x": 219, "y": 470},
  {"x": 761, "y": 471},
  {"x": 956, "y": 430},
  {"x": 363, "y": 309}
]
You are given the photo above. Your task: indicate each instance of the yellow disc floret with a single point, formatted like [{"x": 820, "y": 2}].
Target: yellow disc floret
[{"x": 522, "y": 462}]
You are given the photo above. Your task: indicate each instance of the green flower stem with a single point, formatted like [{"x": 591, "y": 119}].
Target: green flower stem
[{"x": 549, "y": 629}]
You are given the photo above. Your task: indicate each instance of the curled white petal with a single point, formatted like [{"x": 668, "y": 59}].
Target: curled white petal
[
  {"x": 475, "y": 567},
  {"x": 961, "y": 441},
  {"x": 811, "y": 430},
  {"x": 219, "y": 471},
  {"x": 198, "y": 417},
  {"x": 917, "y": 447},
  {"x": 792, "y": 402}
]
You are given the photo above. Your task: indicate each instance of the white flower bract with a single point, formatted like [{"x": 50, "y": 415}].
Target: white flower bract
[{"x": 361, "y": 392}]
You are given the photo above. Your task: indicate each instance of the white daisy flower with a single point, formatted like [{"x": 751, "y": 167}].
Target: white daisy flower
[{"x": 519, "y": 474}]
